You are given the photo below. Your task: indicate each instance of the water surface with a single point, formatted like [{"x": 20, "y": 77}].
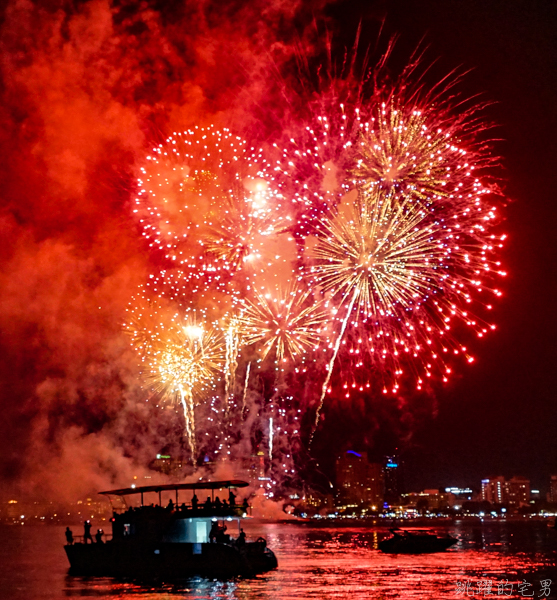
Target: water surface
[{"x": 315, "y": 562}]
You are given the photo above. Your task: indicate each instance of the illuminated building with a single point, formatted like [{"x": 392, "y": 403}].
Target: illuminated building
[
  {"x": 254, "y": 469},
  {"x": 436, "y": 500},
  {"x": 552, "y": 495},
  {"x": 358, "y": 480},
  {"x": 317, "y": 501},
  {"x": 493, "y": 489},
  {"x": 514, "y": 492},
  {"x": 392, "y": 477},
  {"x": 534, "y": 495},
  {"x": 428, "y": 500},
  {"x": 462, "y": 493},
  {"x": 459, "y": 495},
  {"x": 518, "y": 491}
]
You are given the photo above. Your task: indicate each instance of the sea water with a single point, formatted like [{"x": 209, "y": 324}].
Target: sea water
[{"x": 316, "y": 561}]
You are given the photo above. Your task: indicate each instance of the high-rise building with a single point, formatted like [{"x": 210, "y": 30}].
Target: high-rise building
[
  {"x": 493, "y": 489},
  {"x": 375, "y": 486},
  {"x": 514, "y": 492},
  {"x": 552, "y": 495},
  {"x": 518, "y": 491},
  {"x": 358, "y": 480},
  {"x": 391, "y": 473}
]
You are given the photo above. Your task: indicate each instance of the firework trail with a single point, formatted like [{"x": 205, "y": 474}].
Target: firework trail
[
  {"x": 180, "y": 357},
  {"x": 232, "y": 342},
  {"x": 330, "y": 365},
  {"x": 246, "y": 382}
]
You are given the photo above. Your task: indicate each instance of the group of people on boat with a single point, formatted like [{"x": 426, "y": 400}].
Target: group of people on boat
[
  {"x": 87, "y": 537},
  {"x": 216, "y": 506},
  {"x": 218, "y": 535}
]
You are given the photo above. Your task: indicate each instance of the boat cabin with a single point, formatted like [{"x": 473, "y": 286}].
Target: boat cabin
[{"x": 184, "y": 519}]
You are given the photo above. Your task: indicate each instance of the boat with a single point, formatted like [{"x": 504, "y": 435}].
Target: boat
[
  {"x": 173, "y": 541},
  {"x": 417, "y": 541}
]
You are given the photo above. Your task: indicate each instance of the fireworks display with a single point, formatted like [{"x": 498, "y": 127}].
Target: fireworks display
[
  {"x": 285, "y": 325},
  {"x": 180, "y": 356},
  {"x": 377, "y": 222}
]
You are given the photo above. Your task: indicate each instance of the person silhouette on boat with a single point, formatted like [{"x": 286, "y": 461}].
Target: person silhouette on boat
[
  {"x": 222, "y": 536},
  {"x": 231, "y": 499},
  {"x": 69, "y": 536},
  {"x": 208, "y": 504},
  {"x": 194, "y": 502},
  {"x": 170, "y": 506},
  {"x": 225, "y": 505},
  {"x": 99, "y": 536},
  {"x": 217, "y": 503},
  {"x": 213, "y": 534},
  {"x": 241, "y": 541},
  {"x": 87, "y": 532},
  {"x": 245, "y": 505}
]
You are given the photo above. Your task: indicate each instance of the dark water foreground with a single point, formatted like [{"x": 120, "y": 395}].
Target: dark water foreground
[{"x": 492, "y": 560}]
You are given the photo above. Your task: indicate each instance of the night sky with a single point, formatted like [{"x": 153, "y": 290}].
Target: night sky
[
  {"x": 500, "y": 416},
  {"x": 86, "y": 87}
]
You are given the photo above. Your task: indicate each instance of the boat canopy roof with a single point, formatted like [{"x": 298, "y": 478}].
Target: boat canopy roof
[{"x": 198, "y": 485}]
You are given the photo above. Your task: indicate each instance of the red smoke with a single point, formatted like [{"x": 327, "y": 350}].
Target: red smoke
[{"x": 86, "y": 87}]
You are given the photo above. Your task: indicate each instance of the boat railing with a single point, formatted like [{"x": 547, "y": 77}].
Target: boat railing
[
  {"x": 188, "y": 510},
  {"x": 80, "y": 539}
]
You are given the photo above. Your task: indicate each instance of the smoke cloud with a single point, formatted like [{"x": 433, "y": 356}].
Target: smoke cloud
[{"x": 87, "y": 89}]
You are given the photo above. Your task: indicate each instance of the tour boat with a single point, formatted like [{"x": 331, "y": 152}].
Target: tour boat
[
  {"x": 176, "y": 541},
  {"x": 417, "y": 541}
]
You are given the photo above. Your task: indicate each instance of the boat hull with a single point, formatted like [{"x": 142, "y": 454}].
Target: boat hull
[
  {"x": 416, "y": 544},
  {"x": 171, "y": 560}
]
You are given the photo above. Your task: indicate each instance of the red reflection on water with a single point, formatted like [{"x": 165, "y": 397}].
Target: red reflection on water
[{"x": 319, "y": 563}]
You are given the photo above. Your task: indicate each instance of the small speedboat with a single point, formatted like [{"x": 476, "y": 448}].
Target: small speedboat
[
  {"x": 417, "y": 541},
  {"x": 176, "y": 541}
]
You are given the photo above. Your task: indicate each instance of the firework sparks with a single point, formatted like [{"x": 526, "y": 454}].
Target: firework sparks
[
  {"x": 416, "y": 150},
  {"x": 285, "y": 325},
  {"x": 250, "y": 217},
  {"x": 181, "y": 359},
  {"x": 400, "y": 273},
  {"x": 199, "y": 191},
  {"x": 390, "y": 223}
]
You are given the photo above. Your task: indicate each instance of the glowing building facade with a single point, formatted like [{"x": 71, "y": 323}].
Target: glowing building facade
[
  {"x": 514, "y": 492},
  {"x": 359, "y": 482},
  {"x": 552, "y": 495},
  {"x": 393, "y": 480}
]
